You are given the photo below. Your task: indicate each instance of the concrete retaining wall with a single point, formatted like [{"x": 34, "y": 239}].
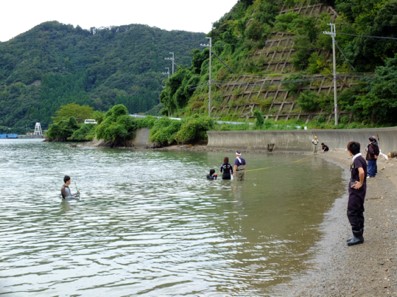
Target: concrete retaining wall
[
  {"x": 142, "y": 138},
  {"x": 300, "y": 140}
]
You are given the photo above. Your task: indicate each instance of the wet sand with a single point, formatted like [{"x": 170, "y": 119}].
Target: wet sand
[{"x": 369, "y": 269}]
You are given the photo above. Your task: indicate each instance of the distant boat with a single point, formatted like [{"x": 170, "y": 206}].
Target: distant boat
[{"x": 9, "y": 136}]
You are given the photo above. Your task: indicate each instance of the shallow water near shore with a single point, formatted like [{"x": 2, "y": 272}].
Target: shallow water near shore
[{"x": 149, "y": 223}]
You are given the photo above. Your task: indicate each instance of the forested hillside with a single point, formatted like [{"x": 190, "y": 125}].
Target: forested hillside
[
  {"x": 273, "y": 58},
  {"x": 268, "y": 58},
  {"x": 54, "y": 64}
]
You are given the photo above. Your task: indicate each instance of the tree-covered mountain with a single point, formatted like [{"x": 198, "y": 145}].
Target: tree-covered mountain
[
  {"x": 55, "y": 64},
  {"x": 273, "y": 57},
  {"x": 268, "y": 57}
]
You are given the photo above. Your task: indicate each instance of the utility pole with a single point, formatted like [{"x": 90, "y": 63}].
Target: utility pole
[
  {"x": 209, "y": 45},
  {"x": 332, "y": 33},
  {"x": 172, "y": 59}
]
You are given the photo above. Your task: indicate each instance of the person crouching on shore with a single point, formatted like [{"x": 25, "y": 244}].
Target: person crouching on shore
[{"x": 357, "y": 190}]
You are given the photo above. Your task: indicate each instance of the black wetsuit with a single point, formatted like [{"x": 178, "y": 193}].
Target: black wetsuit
[
  {"x": 355, "y": 207},
  {"x": 212, "y": 177},
  {"x": 227, "y": 170}
]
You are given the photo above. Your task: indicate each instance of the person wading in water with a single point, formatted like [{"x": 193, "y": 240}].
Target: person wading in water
[{"x": 239, "y": 166}]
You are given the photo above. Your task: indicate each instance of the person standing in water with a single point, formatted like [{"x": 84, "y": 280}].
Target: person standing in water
[
  {"x": 315, "y": 143},
  {"x": 65, "y": 190},
  {"x": 226, "y": 169},
  {"x": 239, "y": 166}
]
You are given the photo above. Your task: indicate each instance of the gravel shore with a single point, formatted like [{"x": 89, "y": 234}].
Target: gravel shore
[{"x": 369, "y": 269}]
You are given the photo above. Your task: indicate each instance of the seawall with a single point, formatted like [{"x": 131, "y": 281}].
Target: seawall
[
  {"x": 142, "y": 138},
  {"x": 300, "y": 140}
]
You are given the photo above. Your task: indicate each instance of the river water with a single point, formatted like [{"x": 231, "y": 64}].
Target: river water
[{"x": 149, "y": 223}]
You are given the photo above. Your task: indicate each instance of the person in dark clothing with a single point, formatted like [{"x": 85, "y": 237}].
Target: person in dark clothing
[
  {"x": 65, "y": 190},
  {"x": 226, "y": 169},
  {"x": 212, "y": 175},
  {"x": 239, "y": 166},
  {"x": 324, "y": 147},
  {"x": 372, "y": 156},
  {"x": 357, "y": 190}
]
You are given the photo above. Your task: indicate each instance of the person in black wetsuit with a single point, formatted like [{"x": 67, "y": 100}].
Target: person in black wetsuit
[
  {"x": 226, "y": 169},
  {"x": 212, "y": 175},
  {"x": 357, "y": 190}
]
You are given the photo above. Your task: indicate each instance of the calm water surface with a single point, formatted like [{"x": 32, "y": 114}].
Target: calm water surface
[{"x": 150, "y": 224}]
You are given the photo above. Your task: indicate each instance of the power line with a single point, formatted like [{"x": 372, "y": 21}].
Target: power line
[
  {"x": 343, "y": 54},
  {"x": 224, "y": 64},
  {"x": 369, "y": 36}
]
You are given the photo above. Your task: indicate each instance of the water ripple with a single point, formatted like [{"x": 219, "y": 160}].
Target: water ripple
[{"x": 148, "y": 223}]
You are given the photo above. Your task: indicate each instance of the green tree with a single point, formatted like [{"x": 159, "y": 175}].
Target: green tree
[
  {"x": 79, "y": 112},
  {"x": 380, "y": 104},
  {"x": 62, "y": 130},
  {"x": 259, "y": 119},
  {"x": 178, "y": 89},
  {"x": 164, "y": 131},
  {"x": 309, "y": 101},
  {"x": 117, "y": 127},
  {"x": 194, "y": 129},
  {"x": 86, "y": 132},
  {"x": 54, "y": 64}
]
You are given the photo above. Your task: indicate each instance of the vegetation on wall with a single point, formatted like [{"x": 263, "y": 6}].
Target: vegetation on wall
[
  {"x": 117, "y": 127},
  {"x": 366, "y": 39}
]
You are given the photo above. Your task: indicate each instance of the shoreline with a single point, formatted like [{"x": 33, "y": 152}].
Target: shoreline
[
  {"x": 369, "y": 269},
  {"x": 335, "y": 270}
]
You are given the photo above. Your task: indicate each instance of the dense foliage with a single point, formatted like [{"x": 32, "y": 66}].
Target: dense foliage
[
  {"x": 164, "y": 131},
  {"x": 366, "y": 40},
  {"x": 117, "y": 127},
  {"x": 55, "y": 64},
  {"x": 62, "y": 130},
  {"x": 68, "y": 123},
  {"x": 379, "y": 104},
  {"x": 192, "y": 130}
]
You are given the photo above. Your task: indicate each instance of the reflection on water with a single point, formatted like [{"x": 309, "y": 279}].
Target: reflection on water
[{"x": 149, "y": 223}]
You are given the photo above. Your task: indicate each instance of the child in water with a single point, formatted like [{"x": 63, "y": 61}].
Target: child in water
[{"x": 212, "y": 175}]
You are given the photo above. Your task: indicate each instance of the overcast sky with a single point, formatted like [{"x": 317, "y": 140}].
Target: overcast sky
[{"x": 18, "y": 16}]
